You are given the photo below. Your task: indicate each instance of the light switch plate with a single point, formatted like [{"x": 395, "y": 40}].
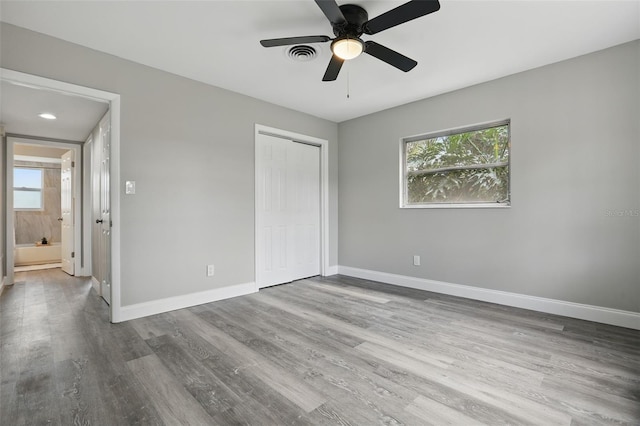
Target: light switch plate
[{"x": 130, "y": 187}]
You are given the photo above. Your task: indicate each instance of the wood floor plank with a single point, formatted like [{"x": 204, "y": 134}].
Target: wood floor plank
[
  {"x": 500, "y": 397},
  {"x": 333, "y": 369},
  {"x": 323, "y": 351},
  {"x": 468, "y": 356},
  {"x": 349, "y": 292},
  {"x": 213, "y": 395},
  {"x": 76, "y": 405},
  {"x": 168, "y": 396},
  {"x": 281, "y": 380},
  {"x": 435, "y": 359},
  {"x": 437, "y": 414},
  {"x": 264, "y": 402}
]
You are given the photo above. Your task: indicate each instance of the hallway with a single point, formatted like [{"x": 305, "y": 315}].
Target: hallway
[{"x": 61, "y": 360}]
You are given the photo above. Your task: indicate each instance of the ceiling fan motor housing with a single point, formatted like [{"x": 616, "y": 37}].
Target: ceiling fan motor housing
[{"x": 355, "y": 16}]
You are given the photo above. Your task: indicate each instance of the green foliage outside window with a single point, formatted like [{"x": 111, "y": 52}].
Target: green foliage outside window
[{"x": 461, "y": 168}]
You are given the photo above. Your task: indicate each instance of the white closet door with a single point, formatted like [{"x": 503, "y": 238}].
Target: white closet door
[
  {"x": 287, "y": 211},
  {"x": 272, "y": 211},
  {"x": 304, "y": 209}
]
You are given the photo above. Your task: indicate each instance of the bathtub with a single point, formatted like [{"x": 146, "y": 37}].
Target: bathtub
[{"x": 30, "y": 254}]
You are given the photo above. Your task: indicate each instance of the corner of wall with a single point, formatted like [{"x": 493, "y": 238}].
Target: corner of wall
[{"x": 581, "y": 311}]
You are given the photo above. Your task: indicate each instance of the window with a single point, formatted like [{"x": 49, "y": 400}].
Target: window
[
  {"x": 458, "y": 168},
  {"x": 27, "y": 189}
]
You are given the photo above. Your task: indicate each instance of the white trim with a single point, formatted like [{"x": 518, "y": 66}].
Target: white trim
[
  {"x": 96, "y": 285},
  {"x": 404, "y": 195},
  {"x": 332, "y": 270},
  {"x": 87, "y": 209},
  {"x": 9, "y": 233},
  {"x": 153, "y": 307},
  {"x": 31, "y": 158},
  {"x": 458, "y": 206},
  {"x": 77, "y": 194},
  {"x": 323, "y": 144},
  {"x": 599, "y": 314},
  {"x": 38, "y": 82},
  {"x": 113, "y": 99},
  {"x": 114, "y": 175}
]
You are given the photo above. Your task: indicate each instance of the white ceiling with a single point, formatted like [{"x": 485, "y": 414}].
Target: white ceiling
[
  {"x": 216, "y": 42},
  {"x": 20, "y": 106}
]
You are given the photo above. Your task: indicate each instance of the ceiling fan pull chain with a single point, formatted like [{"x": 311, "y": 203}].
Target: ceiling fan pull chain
[{"x": 348, "y": 94}]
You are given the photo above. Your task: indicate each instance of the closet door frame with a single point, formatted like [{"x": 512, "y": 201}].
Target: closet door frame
[{"x": 324, "y": 193}]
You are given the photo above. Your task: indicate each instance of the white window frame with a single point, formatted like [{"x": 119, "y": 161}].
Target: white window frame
[
  {"x": 404, "y": 196},
  {"x": 41, "y": 208}
]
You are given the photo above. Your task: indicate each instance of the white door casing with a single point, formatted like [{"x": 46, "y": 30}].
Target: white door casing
[
  {"x": 287, "y": 210},
  {"x": 67, "y": 203},
  {"x": 76, "y": 241}
]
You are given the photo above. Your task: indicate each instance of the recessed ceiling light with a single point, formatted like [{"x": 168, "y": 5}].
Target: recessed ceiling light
[{"x": 47, "y": 116}]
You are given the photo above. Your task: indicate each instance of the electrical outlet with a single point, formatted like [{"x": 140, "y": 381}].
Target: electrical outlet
[
  {"x": 416, "y": 260},
  {"x": 210, "y": 270}
]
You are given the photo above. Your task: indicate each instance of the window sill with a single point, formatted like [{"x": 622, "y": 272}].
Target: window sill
[{"x": 458, "y": 206}]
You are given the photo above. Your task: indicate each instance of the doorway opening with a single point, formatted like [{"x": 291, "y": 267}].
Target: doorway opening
[
  {"x": 80, "y": 202},
  {"x": 46, "y": 202}
]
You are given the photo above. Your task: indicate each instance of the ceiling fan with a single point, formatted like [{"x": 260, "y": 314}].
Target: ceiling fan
[{"x": 349, "y": 22}]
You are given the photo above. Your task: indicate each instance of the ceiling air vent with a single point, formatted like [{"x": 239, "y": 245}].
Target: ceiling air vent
[{"x": 302, "y": 53}]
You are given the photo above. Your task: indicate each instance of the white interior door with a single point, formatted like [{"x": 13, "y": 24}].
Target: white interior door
[
  {"x": 67, "y": 201},
  {"x": 105, "y": 211},
  {"x": 287, "y": 210}
]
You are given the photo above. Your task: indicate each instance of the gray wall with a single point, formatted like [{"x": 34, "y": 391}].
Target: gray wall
[
  {"x": 575, "y": 168},
  {"x": 190, "y": 149}
]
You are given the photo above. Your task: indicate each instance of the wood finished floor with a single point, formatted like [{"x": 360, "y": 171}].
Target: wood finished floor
[{"x": 321, "y": 351}]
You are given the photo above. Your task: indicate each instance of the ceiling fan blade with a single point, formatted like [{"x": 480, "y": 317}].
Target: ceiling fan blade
[
  {"x": 401, "y": 14},
  {"x": 294, "y": 40},
  {"x": 333, "y": 69},
  {"x": 389, "y": 56},
  {"x": 331, "y": 11}
]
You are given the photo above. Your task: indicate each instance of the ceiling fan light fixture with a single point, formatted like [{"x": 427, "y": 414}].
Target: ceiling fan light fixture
[{"x": 347, "y": 48}]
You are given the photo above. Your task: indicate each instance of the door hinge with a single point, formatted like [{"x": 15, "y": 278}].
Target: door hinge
[
  {"x": 73, "y": 164},
  {"x": 73, "y": 254}
]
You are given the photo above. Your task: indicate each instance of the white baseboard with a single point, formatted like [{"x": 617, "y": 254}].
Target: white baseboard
[
  {"x": 96, "y": 285},
  {"x": 331, "y": 270},
  {"x": 599, "y": 314},
  {"x": 153, "y": 307}
]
